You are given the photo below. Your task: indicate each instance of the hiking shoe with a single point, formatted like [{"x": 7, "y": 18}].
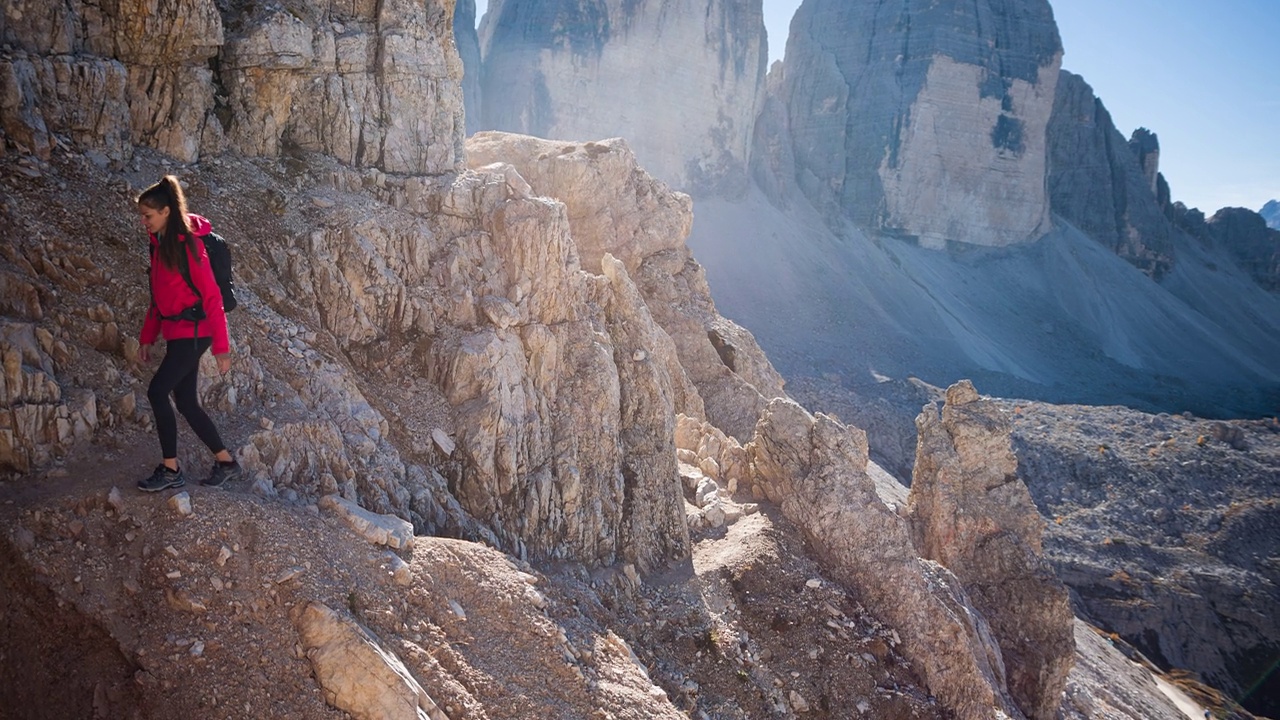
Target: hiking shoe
[
  {"x": 162, "y": 479},
  {"x": 221, "y": 473}
]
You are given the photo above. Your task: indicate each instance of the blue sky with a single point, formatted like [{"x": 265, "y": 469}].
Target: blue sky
[{"x": 1205, "y": 76}]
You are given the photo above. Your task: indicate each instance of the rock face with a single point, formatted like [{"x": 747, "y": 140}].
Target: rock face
[
  {"x": 924, "y": 121},
  {"x": 99, "y": 78},
  {"x": 468, "y": 43},
  {"x": 815, "y": 469},
  {"x": 679, "y": 79},
  {"x": 1106, "y": 186},
  {"x": 971, "y": 513},
  {"x": 615, "y": 207}
]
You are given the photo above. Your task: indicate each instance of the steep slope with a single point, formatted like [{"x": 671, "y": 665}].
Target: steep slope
[
  {"x": 679, "y": 79},
  {"x": 1063, "y": 318}
]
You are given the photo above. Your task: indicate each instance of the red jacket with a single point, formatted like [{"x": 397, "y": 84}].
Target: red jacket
[{"x": 170, "y": 295}]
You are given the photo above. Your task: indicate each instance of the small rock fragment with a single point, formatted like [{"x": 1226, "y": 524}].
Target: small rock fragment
[
  {"x": 116, "y": 500},
  {"x": 289, "y": 574},
  {"x": 224, "y": 554},
  {"x": 443, "y": 441},
  {"x": 181, "y": 503},
  {"x": 457, "y": 610}
]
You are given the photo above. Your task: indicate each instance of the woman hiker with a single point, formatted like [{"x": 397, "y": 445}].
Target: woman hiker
[{"x": 186, "y": 308}]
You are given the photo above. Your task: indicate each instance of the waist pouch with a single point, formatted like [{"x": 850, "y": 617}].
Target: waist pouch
[{"x": 195, "y": 313}]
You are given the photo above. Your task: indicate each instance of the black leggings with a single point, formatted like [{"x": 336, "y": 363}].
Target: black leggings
[{"x": 178, "y": 374}]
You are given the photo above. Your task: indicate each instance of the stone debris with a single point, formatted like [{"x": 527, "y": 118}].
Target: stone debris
[
  {"x": 378, "y": 529},
  {"x": 224, "y": 554},
  {"x": 400, "y": 571}
]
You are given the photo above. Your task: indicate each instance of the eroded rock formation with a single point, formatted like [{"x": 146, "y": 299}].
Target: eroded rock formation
[
  {"x": 815, "y": 469},
  {"x": 616, "y": 207},
  {"x": 925, "y": 121},
  {"x": 971, "y": 513},
  {"x": 679, "y": 79}
]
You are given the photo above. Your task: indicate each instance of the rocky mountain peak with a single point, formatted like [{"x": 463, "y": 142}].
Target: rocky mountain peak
[{"x": 923, "y": 120}]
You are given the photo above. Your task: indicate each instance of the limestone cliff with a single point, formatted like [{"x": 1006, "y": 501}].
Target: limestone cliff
[
  {"x": 925, "y": 121},
  {"x": 679, "y": 79},
  {"x": 615, "y": 207},
  {"x": 379, "y": 78}
]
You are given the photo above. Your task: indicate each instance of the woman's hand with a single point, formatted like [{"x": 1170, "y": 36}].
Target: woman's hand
[
  {"x": 224, "y": 362},
  {"x": 144, "y": 353}
]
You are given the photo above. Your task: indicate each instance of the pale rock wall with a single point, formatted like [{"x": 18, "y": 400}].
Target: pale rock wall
[
  {"x": 949, "y": 185},
  {"x": 679, "y": 79},
  {"x": 563, "y": 407},
  {"x": 922, "y": 120},
  {"x": 617, "y": 208},
  {"x": 136, "y": 72},
  {"x": 380, "y": 81},
  {"x": 971, "y": 513}
]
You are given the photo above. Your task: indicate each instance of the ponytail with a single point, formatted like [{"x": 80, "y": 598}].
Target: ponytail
[{"x": 167, "y": 193}]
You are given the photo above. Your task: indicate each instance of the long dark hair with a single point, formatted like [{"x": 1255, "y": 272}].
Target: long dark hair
[{"x": 168, "y": 194}]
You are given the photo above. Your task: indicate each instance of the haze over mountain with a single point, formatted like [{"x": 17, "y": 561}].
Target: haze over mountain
[{"x": 889, "y": 130}]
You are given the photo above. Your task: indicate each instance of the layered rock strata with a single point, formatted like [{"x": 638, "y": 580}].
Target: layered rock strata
[
  {"x": 925, "y": 121},
  {"x": 971, "y": 513},
  {"x": 679, "y": 79},
  {"x": 380, "y": 79}
]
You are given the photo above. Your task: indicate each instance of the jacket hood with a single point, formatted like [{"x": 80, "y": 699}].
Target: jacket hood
[{"x": 200, "y": 225}]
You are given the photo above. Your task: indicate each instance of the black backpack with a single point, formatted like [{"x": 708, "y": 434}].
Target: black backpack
[{"x": 220, "y": 262}]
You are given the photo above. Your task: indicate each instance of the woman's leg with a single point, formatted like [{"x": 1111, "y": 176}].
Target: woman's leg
[
  {"x": 186, "y": 397},
  {"x": 180, "y": 360}
]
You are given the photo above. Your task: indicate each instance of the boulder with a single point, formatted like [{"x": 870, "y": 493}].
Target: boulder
[{"x": 357, "y": 674}]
